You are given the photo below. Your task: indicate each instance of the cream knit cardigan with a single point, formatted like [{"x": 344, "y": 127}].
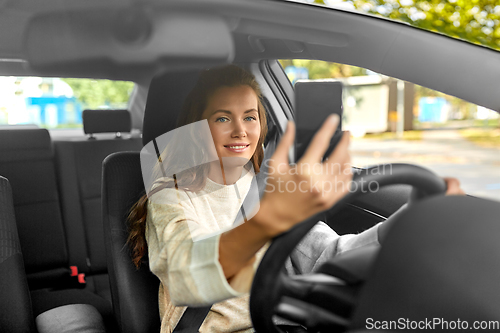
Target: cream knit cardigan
[{"x": 186, "y": 260}]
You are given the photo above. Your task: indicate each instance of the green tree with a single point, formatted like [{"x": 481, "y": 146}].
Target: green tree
[
  {"x": 98, "y": 93},
  {"x": 323, "y": 69},
  {"x": 477, "y": 21}
]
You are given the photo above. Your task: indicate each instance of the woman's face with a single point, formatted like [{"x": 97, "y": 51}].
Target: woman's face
[{"x": 233, "y": 118}]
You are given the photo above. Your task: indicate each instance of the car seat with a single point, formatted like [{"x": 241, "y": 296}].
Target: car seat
[
  {"x": 27, "y": 160},
  {"x": 78, "y": 164},
  {"x": 15, "y": 303},
  {"x": 135, "y": 292}
]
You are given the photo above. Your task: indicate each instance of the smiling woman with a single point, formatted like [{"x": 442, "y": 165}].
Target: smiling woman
[
  {"x": 233, "y": 118},
  {"x": 188, "y": 223},
  {"x": 229, "y": 99}
]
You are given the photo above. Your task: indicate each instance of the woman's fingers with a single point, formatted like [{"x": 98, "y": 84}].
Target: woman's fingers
[
  {"x": 321, "y": 140},
  {"x": 453, "y": 186},
  {"x": 297, "y": 192}
]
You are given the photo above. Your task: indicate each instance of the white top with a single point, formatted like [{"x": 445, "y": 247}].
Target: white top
[{"x": 189, "y": 270}]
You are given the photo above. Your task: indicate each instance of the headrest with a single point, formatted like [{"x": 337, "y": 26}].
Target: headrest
[
  {"x": 106, "y": 121},
  {"x": 25, "y": 144},
  {"x": 166, "y": 96}
]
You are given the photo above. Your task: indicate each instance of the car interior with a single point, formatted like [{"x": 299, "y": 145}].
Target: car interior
[{"x": 64, "y": 199}]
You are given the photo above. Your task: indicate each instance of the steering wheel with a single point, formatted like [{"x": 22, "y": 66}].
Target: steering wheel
[{"x": 324, "y": 301}]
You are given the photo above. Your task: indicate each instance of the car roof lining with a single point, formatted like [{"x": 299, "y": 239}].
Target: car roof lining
[
  {"x": 135, "y": 38},
  {"x": 249, "y": 31}
]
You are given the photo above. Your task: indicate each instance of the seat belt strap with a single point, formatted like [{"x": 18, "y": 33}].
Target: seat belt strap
[{"x": 192, "y": 319}]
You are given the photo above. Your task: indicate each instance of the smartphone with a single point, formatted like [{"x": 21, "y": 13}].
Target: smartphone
[{"x": 314, "y": 102}]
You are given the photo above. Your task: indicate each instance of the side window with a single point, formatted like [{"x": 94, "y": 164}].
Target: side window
[
  {"x": 395, "y": 121},
  {"x": 57, "y": 102}
]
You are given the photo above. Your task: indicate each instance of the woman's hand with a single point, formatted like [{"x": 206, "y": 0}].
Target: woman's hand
[
  {"x": 296, "y": 192},
  {"x": 453, "y": 186},
  {"x": 293, "y": 193}
]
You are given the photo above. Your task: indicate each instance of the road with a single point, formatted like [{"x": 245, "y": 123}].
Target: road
[{"x": 443, "y": 151}]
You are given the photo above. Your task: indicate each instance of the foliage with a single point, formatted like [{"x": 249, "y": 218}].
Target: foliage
[
  {"x": 488, "y": 123},
  {"x": 482, "y": 136},
  {"x": 407, "y": 135},
  {"x": 324, "y": 70},
  {"x": 98, "y": 93},
  {"x": 477, "y": 21}
]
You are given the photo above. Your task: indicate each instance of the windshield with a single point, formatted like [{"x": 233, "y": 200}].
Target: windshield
[{"x": 476, "y": 21}]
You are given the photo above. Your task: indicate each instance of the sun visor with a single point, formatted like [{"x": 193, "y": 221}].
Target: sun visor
[{"x": 131, "y": 36}]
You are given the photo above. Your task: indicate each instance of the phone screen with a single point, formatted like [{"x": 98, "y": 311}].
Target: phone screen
[{"x": 314, "y": 102}]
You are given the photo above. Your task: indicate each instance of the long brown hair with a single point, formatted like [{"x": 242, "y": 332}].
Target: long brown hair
[{"x": 194, "y": 179}]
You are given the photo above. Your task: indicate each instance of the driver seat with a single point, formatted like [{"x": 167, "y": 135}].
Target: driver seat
[{"x": 135, "y": 292}]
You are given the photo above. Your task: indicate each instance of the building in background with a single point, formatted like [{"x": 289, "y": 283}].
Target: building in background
[{"x": 46, "y": 102}]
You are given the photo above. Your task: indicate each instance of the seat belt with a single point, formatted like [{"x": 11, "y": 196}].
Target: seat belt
[
  {"x": 191, "y": 320},
  {"x": 193, "y": 317}
]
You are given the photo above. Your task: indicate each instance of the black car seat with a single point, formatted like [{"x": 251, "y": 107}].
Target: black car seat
[
  {"x": 27, "y": 160},
  {"x": 16, "y": 314},
  {"x": 135, "y": 292},
  {"x": 78, "y": 162}
]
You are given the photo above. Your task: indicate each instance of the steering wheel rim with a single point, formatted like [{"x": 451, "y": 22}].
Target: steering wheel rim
[{"x": 270, "y": 280}]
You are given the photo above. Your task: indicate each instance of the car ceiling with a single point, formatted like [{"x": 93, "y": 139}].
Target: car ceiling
[{"x": 133, "y": 40}]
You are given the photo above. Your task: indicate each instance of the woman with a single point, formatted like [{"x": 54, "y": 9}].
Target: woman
[{"x": 187, "y": 220}]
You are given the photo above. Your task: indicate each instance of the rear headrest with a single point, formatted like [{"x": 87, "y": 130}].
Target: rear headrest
[
  {"x": 106, "y": 121},
  {"x": 166, "y": 96},
  {"x": 25, "y": 144}
]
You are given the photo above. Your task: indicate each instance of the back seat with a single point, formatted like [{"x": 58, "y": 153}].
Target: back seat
[
  {"x": 56, "y": 190},
  {"x": 79, "y": 168},
  {"x": 27, "y": 161},
  {"x": 16, "y": 314}
]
